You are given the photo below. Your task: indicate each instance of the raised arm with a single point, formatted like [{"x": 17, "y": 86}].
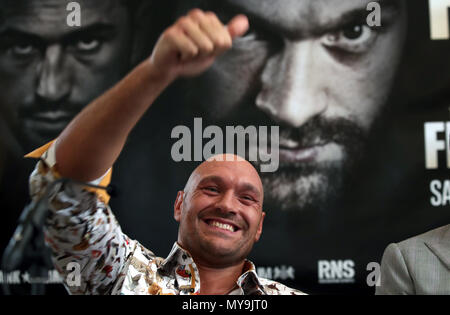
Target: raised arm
[
  {"x": 80, "y": 227},
  {"x": 187, "y": 48}
]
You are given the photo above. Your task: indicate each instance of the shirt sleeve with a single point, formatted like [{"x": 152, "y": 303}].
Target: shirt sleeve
[{"x": 89, "y": 249}]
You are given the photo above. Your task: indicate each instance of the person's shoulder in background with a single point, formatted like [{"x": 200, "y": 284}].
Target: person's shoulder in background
[{"x": 418, "y": 265}]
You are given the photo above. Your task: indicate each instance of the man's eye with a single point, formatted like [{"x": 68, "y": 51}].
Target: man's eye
[
  {"x": 211, "y": 189},
  {"x": 87, "y": 45},
  {"x": 22, "y": 49},
  {"x": 356, "y": 38},
  {"x": 254, "y": 36}
]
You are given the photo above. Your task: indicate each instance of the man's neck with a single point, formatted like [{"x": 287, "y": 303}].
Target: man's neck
[{"x": 218, "y": 281}]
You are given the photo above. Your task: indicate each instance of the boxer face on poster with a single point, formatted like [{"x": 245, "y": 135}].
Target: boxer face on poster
[
  {"x": 316, "y": 69},
  {"x": 49, "y": 71}
]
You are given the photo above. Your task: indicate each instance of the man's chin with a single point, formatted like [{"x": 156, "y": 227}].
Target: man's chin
[
  {"x": 290, "y": 190},
  {"x": 221, "y": 249},
  {"x": 223, "y": 253}
]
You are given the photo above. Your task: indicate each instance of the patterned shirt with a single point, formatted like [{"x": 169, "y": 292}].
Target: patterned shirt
[{"x": 84, "y": 235}]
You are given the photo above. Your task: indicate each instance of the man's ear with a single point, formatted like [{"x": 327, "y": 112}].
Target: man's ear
[
  {"x": 178, "y": 206},
  {"x": 259, "y": 231}
]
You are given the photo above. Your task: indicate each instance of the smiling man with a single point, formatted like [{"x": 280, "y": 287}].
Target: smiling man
[
  {"x": 243, "y": 216},
  {"x": 219, "y": 211},
  {"x": 317, "y": 70},
  {"x": 49, "y": 71}
]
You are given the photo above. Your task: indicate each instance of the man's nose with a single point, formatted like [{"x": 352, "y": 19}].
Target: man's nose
[
  {"x": 292, "y": 91},
  {"x": 226, "y": 203},
  {"x": 53, "y": 76}
]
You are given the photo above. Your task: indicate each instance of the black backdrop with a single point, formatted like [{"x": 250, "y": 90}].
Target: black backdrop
[{"x": 387, "y": 197}]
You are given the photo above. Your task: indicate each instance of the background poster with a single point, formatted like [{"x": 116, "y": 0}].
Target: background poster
[{"x": 363, "y": 113}]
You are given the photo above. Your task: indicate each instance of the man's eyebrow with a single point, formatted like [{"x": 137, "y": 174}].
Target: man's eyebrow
[
  {"x": 219, "y": 180},
  {"x": 389, "y": 8},
  {"x": 228, "y": 10},
  {"x": 358, "y": 14},
  {"x": 98, "y": 29},
  {"x": 252, "y": 188},
  {"x": 212, "y": 178},
  {"x": 10, "y": 33}
]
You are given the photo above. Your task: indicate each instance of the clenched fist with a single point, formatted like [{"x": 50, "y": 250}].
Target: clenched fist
[{"x": 190, "y": 46}]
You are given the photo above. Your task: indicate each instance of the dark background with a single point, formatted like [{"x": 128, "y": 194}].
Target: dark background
[{"x": 386, "y": 200}]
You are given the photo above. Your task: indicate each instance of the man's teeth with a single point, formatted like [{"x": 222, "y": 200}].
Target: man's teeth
[{"x": 223, "y": 226}]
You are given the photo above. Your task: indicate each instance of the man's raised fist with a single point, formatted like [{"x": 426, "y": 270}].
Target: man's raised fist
[{"x": 190, "y": 46}]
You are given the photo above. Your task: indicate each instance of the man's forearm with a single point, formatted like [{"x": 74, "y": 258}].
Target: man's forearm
[{"x": 91, "y": 143}]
